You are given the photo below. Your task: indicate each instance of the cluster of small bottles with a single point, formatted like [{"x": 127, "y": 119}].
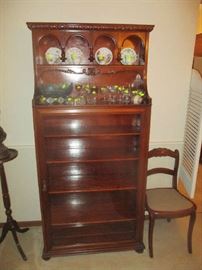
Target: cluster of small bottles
[{"x": 87, "y": 94}]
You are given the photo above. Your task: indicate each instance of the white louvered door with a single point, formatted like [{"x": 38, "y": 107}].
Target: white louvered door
[{"x": 193, "y": 135}]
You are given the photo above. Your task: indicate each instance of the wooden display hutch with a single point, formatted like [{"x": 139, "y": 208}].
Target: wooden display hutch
[{"x": 91, "y": 119}]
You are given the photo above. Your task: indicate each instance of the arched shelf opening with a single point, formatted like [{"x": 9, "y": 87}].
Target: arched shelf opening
[
  {"x": 107, "y": 44},
  {"x": 49, "y": 50},
  {"x": 137, "y": 46},
  {"x": 77, "y": 50}
]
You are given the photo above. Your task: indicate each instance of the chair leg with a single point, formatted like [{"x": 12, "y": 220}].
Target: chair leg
[
  {"x": 190, "y": 230},
  {"x": 150, "y": 235}
]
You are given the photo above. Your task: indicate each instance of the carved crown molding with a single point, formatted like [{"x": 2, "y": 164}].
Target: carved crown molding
[{"x": 90, "y": 26}]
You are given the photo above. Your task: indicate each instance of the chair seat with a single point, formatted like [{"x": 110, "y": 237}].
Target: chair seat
[
  {"x": 166, "y": 199},
  {"x": 167, "y": 202}
]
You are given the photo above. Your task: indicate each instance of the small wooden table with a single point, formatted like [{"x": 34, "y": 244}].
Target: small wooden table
[{"x": 11, "y": 224}]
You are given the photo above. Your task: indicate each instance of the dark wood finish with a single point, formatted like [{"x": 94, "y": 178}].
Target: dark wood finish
[
  {"x": 198, "y": 53},
  {"x": 10, "y": 224},
  {"x": 91, "y": 157},
  {"x": 198, "y": 45},
  {"x": 4, "y": 152},
  {"x": 186, "y": 208}
]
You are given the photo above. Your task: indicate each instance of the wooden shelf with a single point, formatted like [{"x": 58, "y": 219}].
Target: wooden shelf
[
  {"x": 74, "y": 125},
  {"x": 91, "y": 158},
  {"x": 86, "y": 234},
  {"x": 118, "y": 65},
  {"x": 63, "y": 136},
  {"x": 92, "y": 189},
  {"x": 60, "y": 149},
  {"x": 67, "y": 161},
  {"x": 95, "y": 176},
  {"x": 98, "y": 207}
]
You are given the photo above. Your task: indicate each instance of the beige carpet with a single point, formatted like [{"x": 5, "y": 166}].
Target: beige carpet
[
  {"x": 198, "y": 191},
  {"x": 170, "y": 252}
]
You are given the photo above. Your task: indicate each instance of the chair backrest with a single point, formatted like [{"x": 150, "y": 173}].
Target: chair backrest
[{"x": 164, "y": 152}]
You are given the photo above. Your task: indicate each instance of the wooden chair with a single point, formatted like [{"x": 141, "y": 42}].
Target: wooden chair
[{"x": 168, "y": 202}]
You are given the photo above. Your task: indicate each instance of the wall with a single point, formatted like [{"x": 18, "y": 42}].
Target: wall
[
  {"x": 199, "y": 27},
  {"x": 170, "y": 60}
]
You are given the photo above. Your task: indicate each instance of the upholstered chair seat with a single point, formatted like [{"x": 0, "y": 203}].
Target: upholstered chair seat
[{"x": 167, "y": 199}]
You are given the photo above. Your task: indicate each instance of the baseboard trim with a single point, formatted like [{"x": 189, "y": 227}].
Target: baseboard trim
[
  {"x": 26, "y": 223},
  {"x": 33, "y": 223}
]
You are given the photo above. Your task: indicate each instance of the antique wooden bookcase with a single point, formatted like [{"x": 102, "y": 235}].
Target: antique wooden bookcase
[{"x": 91, "y": 112}]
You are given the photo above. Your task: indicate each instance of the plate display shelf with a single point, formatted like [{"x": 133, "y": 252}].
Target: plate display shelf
[{"x": 91, "y": 113}]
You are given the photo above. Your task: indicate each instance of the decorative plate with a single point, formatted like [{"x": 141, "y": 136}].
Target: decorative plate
[
  {"x": 74, "y": 56},
  {"x": 53, "y": 55},
  {"x": 103, "y": 56},
  {"x": 128, "y": 56}
]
